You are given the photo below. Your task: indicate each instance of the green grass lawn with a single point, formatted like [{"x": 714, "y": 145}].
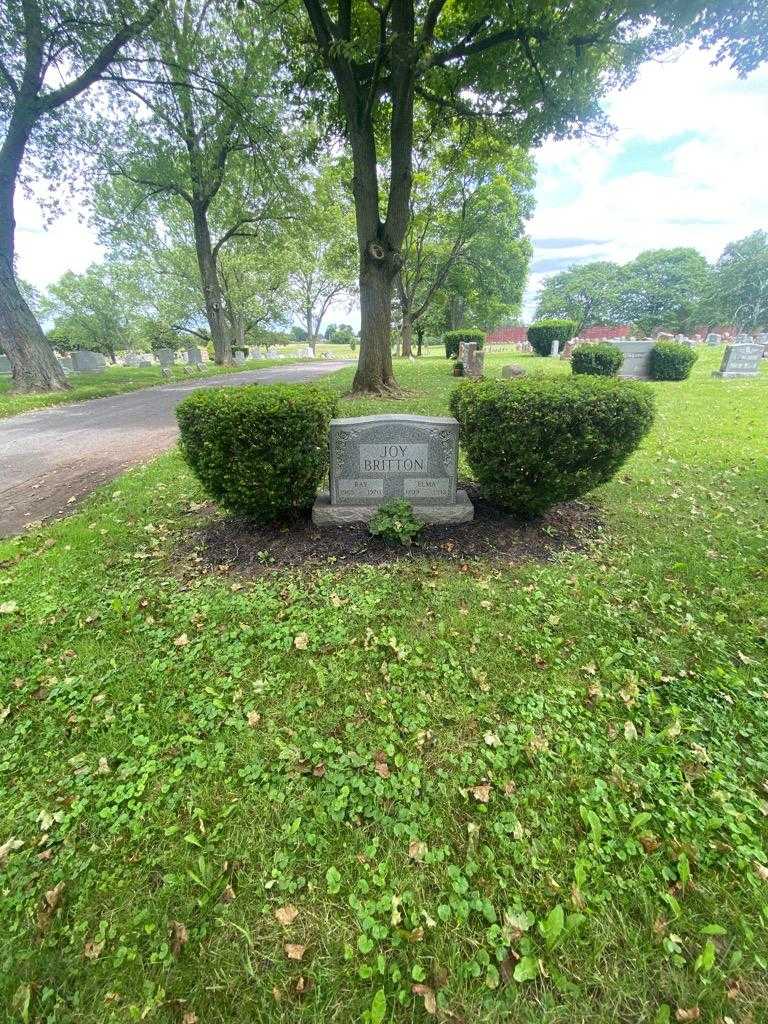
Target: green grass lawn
[
  {"x": 115, "y": 380},
  {"x": 536, "y": 793}
]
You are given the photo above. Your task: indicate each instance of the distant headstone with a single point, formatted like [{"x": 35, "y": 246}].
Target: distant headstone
[
  {"x": 194, "y": 356},
  {"x": 713, "y": 339},
  {"x": 254, "y": 352},
  {"x": 165, "y": 356},
  {"x": 375, "y": 459},
  {"x": 84, "y": 361},
  {"x": 65, "y": 362},
  {"x": 239, "y": 357},
  {"x": 5, "y": 365},
  {"x": 740, "y": 361},
  {"x": 568, "y": 348},
  {"x": 131, "y": 359},
  {"x": 637, "y": 354},
  {"x": 474, "y": 360},
  {"x": 554, "y": 349},
  {"x": 513, "y": 370},
  {"x": 145, "y": 361}
]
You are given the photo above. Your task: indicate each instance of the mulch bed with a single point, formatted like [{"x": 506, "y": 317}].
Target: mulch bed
[{"x": 234, "y": 544}]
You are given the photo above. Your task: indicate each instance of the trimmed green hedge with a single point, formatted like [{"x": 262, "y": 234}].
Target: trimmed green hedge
[
  {"x": 259, "y": 450},
  {"x": 540, "y": 440},
  {"x": 601, "y": 360},
  {"x": 544, "y": 332},
  {"x": 671, "y": 360},
  {"x": 453, "y": 339}
]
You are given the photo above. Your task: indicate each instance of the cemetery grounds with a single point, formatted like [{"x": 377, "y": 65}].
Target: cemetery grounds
[
  {"x": 463, "y": 792},
  {"x": 116, "y": 380}
]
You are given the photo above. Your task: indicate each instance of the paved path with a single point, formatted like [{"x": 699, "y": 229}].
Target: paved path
[{"x": 51, "y": 458}]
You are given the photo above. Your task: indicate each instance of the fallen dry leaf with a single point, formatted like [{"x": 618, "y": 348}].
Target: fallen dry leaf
[
  {"x": 286, "y": 915},
  {"x": 179, "y": 937},
  {"x": 630, "y": 732},
  {"x": 294, "y": 952},
  {"x": 380, "y": 765},
  {"x": 253, "y": 718},
  {"x": 92, "y": 950},
  {"x": 417, "y": 850},
  {"x": 762, "y": 871},
  {"x": 303, "y": 985},
  {"x": 693, "y": 1013},
  {"x": 8, "y": 607},
  {"x": 430, "y": 1002},
  {"x": 181, "y": 641},
  {"x": 8, "y": 847},
  {"x": 301, "y": 642},
  {"x": 228, "y": 895},
  {"x": 48, "y": 907},
  {"x": 481, "y": 793},
  {"x": 189, "y": 1018},
  {"x": 492, "y": 740},
  {"x": 103, "y": 768}
]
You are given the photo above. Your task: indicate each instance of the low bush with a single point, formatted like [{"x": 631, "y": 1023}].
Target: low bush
[
  {"x": 453, "y": 339},
  {"x": 601, "y": 360},
  {"x": 671, "y": 360},
  {"x": 538, "y": 440},
  {"x": 260, "y": 450},
  {"x": 544, "y": 332},
  {"x": 395, "y": 521}
]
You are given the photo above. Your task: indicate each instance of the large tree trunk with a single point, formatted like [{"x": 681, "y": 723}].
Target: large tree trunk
[
  {"x": 209, "y": 279},
  {"x": 33, "y": 363},
  {"x": 374, "y": 368}
]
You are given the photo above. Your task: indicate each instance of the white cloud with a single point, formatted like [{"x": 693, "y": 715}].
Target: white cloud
[
  {"x": 46, "y": 251},
  {"x": 709, "y": 189}
]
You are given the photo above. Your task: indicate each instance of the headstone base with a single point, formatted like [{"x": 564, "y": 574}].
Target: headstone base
[{"x": 326, "y": 514}]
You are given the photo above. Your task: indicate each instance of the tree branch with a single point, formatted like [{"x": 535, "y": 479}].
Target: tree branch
[{"x": 101, "y": 62}]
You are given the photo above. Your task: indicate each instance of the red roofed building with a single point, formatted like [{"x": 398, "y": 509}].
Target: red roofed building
[
  {"x": 507, "y": 336},
  {"x": 605, "y": 331},
  {"x": 517, "y": 335}
]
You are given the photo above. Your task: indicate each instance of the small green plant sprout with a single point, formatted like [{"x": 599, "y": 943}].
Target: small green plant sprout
[{"x": 395, "y": 521}]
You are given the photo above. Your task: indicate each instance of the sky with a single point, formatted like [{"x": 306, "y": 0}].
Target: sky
[{"x": 686, "y": 164}]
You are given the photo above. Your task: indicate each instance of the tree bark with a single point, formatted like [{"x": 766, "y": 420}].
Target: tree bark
[
  {"x": 407, "y": 335},
  {"x": 374, "y": 368},
  {"x": 209, "y": 278},
  {"x": 33, "y": 363}
]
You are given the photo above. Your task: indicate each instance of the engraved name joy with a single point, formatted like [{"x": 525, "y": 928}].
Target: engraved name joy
[{"x": 393, "y": 458}]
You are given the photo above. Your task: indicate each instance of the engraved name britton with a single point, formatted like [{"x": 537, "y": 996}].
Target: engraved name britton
[{"x": 393, "y": 458}]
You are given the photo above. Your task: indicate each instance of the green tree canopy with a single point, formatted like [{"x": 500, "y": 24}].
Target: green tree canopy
[
  {"x": 739, "y": 289},
  {"x": 587, "y": 294},
  {"x": 465, "y": 236}
]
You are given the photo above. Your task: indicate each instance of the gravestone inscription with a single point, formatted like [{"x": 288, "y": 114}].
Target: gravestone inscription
[
  {"x": 376, "y": 459},
  {"x": 740, "y": 361},
  {"x": 637, "y": 355},
  {"x": 5, "y": 364}
]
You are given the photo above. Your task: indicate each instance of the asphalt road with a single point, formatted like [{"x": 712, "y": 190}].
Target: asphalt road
[{"x": 52, "y": 458}]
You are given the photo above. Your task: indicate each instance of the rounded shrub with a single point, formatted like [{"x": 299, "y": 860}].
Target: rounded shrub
[
  {"x": 453, "y": 339},
  {"x": 544, "y": 332},
  {"x": 539, "y": 440},
  {"x": 671, "y": 360},
  {"x": 601, "y": 360},
  {"x": 259, "y": 450}
]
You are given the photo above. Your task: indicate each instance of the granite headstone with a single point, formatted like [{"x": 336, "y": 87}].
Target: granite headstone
[
  {"x": 376, "y": 459},
  {"x": 740, "y": 361},
  {"x": 85, "y": 361},
  {"x": 637, "y": 355}
]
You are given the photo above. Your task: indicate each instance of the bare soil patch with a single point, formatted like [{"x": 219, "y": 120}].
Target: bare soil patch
[{"x": 239, "y": 545}]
